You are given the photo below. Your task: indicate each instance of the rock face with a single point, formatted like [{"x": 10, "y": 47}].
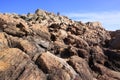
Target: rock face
[
  {"x": 45, "y": 46},
  {"x": 115, "y": 42}
]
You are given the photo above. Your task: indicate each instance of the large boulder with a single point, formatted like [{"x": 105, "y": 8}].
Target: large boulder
[
  {"x": 81, "y": 67},
  {"x": 15, "y": 64},
  {"x": 41, "y": 31},
  {"x": 12, "y": 26},
  {"x": 53, "y": 65}
]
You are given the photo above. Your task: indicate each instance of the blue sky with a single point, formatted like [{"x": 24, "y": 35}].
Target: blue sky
[{"x": 105, "y": 11}]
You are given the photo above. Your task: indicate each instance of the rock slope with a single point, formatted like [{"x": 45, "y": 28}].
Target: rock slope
[{"x": 45, "y": 46}]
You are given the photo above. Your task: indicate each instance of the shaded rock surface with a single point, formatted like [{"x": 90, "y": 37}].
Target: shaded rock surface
[
  {"x": 115, "y": 42},
  {"x": 45, "y": 46}
]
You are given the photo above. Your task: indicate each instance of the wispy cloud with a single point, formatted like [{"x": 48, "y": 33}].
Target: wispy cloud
[{"x": 110, "y": 20}]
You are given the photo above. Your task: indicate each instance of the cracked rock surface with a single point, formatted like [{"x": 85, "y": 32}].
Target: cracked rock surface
[{"x": 46, "y": 46}]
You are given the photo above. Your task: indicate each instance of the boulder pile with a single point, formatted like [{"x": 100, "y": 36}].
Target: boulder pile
[{"x": 46, "y": 46}]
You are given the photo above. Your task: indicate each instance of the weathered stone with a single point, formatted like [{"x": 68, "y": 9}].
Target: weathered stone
[
  {"x": 83, "y": 53},
  {"x": 40, "y": 12},
  {"x": 78, "y": 42},
  {"x": 113, "y": 61},
  {"x": 106, "y": 73},
  {"x": 95, "y": 34},
  {"x": 98, "y": 55},
  {"x": 115, "y": 41},
  {"x": 3, "y": 41},
  {"x": 45, "y": 46},
  {"x": 62, "y": 34},
  {"x": 30, "y": 48},
  {"x": 69, "y": 51},
  {"x": 42, "y": 31},
  {"x": 115, "y": 44},
  {"x": 32, "y": 72},
  {"x": 81, "y": 67},
  {"x": 94, "y": 24},
  {"x": 50, "y": 63},
  {"x": 115, "y": 34},
  {"x": 15, "y": 63},
  {"x": 13, "y": 27}
]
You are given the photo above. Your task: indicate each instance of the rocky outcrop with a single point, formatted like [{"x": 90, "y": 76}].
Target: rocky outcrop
[
  {"x": 16, "y": 65},
  {"x": 45, "y": 46},
  {"x": 115, "y": 39}
]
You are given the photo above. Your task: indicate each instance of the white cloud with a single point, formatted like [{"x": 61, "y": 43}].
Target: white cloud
[{"x": 110, "y": 20}]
